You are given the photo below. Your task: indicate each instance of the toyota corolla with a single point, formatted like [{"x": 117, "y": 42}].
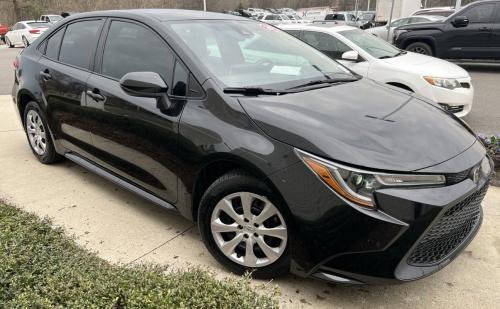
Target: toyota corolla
[{"x": 287, "y": 160}]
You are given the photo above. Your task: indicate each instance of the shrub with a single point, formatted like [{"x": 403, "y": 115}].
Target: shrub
[
  {"x": 42, "y": 267},
  {"x": 492, "y": 144}
]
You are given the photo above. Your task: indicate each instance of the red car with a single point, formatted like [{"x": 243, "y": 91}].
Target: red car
[{"x": 4, "y": 28}]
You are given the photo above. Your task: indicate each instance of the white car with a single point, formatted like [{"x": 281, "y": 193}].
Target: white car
[
  {"x": 52, "y": 19},
  {"x": 25, "y": 32},
  {"x": 381, "y": 31},
  {"x": 436, "y": 79},
  {"x": 275, "y": 19}
]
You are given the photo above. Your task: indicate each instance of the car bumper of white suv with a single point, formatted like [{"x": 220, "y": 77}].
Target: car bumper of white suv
[{"x": 458, "y": 101}]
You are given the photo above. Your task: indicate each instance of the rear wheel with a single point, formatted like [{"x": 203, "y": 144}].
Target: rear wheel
[
  {"x": 7, "y": 41},
  {"x": 420, "y": 48},
  {"x": 38, "y": 135},
  {"x": 243, "y": 225}
]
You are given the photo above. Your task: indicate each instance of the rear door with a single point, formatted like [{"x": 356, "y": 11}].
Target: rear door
[
  {"x": 475, "y": 40},
  {"x": 132, "y": 136},
  {"x": 64, "y": 70}
]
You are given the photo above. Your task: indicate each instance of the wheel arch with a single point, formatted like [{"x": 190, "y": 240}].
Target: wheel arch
[
  {"x": 23, "y": 98},
  {"x": 218, "y": 165}
]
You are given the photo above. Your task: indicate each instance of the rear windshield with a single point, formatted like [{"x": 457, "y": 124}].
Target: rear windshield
[
  {"x": 253, "y": 54},
  {"x": 38, "y": 25}
]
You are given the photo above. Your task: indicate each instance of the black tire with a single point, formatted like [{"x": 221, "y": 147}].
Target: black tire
[
  {"x": 7, "y": 41},
  {"x": 420, "y": 48},
  {"x": 232, "y": 182},
  {"x": 50, "y": 155}
]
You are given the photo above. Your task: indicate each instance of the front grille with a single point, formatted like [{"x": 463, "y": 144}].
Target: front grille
[
  {"x": 452, "y": 179},
  {"x": 465, "y": 85},
  {"x": 454, "y": 226}
]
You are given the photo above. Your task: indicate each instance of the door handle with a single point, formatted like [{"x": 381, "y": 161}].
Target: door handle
[
  {"x": 94, "y": 94},
  {"x": 484, "y": 29},
  {"x": 45, "y": 74}
]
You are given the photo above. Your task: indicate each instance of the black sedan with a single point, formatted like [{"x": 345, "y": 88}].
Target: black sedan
[{"x": 257, "y": 137}]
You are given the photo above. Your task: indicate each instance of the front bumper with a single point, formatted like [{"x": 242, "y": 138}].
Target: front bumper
[
  {"x": 458, "y": 101},
  {"x": 399, "y": 242}
]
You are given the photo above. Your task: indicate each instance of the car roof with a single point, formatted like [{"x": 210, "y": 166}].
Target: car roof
[
  {"x": 163, "y": 14},
  {"x": 327, "y": 27}
]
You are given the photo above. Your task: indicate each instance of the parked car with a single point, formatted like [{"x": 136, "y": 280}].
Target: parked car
[
  {"x": 284, "y": 158},
  {"x": 4, "y": 28},
  {"x": 387, "y": 32},
  {"x": 295, "y": 19},
  {"x": 471, "y": 33},
  {"x": 436, "y": 11},
  {"x": 275, "y": 19},
  {"x": 437, "y": 80},
  {"x": 25, "y": 32},
  {"x": 366, "y": 20},
  {"x": 51, "y": 18},
  {"x": 344, "y": 17}
]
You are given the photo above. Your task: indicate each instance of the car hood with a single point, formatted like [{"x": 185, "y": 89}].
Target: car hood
[
  {"x": 426, "y": 65},
  {"x": 363, "y": 124},
  {"x": 421, "y": 26}
]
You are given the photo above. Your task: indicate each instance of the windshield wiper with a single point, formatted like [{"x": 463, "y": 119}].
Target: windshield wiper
[
  {"x": 254, "y": 90},
  {"x": 326, "y": 82}
]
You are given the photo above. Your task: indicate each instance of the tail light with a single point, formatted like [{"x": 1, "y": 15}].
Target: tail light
[{"x": 34, "y": 30}]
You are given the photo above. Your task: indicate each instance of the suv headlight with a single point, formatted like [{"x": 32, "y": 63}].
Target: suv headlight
[
  {"x": 357, "y": 186},
  {"x": 448, "y": 83}
]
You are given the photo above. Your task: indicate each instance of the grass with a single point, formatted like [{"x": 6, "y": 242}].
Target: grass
[{"x": 42, "y": 267}]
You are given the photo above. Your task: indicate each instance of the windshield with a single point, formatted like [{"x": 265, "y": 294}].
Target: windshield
[
  {"x": 376, "y": 47},
  {"x": 252, "y": 54}
]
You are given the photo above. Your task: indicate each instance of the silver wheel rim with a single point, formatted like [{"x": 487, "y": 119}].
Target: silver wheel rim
[
  {"x": 36, "y": 132},
  {"x": 249, "y": 229}
]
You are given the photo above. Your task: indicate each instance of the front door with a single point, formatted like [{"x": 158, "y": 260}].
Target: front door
[
  {"x": 64, "y": 70},
  {"x": 473, "y": 41},
  {"x": 132, "y": 136}
]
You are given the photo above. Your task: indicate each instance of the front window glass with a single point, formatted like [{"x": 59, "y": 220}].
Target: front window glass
[
  {"x": 251, "y": 54},
  {"x": 371, "y": 44},
  {"x": 328, "y": 44},
  {"x": 480, "y": 13}
]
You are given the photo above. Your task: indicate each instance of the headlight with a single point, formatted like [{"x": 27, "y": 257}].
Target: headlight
[
  {"x": 398, "y": 32},
  {"x": 357, "y": 186},
  {"x": 448, "y": 83}
]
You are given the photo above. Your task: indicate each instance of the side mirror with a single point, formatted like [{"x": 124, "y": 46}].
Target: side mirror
[
  {"x": 351, "y": 56},
  {"x": 147, "y": 85},
  {"x": 460, "y": 21}
]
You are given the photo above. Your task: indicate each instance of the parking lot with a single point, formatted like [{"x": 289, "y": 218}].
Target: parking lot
[
  {"x": 484, "y": 117},
  {"x": 123, "y": 228}
]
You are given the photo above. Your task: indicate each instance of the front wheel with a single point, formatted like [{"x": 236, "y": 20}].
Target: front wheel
[
  {"x": 7, "y": 41},
  {"x": 25, "y": 42},
  {"x": 243, "y": 224},
  {"x": 420, "y": 48}
]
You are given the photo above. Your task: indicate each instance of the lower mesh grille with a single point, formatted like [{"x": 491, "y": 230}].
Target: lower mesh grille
[{"x": 457, "y": 223}]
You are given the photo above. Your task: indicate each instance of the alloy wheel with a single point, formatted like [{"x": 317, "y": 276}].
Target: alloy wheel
[
  {"x": 249, "y": 229},
  {"x": 36, "y": 132},
  {"x": 419, "y": 50}
]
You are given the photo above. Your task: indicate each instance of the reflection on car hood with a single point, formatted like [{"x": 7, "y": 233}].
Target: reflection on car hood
[
  {"x": 362, "y": 123},
  {"x": 426, "y": 65}
]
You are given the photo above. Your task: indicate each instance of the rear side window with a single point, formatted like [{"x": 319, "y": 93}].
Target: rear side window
[
  {"x": 79, "y": 43},
  {"x": 134, "y": 48},
  {"x": 53, "y": 43},
  {"x": 480, "y": 13}
]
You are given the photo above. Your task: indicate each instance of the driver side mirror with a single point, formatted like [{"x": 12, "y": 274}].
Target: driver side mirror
[
  {"x": 351, "y": 56},
  {"x": 147, "y": 85},
  {"x": 460, "y": 21}
]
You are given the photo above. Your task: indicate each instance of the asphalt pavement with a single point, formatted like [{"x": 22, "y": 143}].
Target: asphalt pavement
[{"x": 484, "y": 117}]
